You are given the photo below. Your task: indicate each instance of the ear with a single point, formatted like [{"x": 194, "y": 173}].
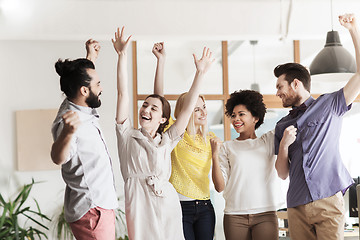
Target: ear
[
  {"x": 84, "y": 91},
  {"x": 296, "y": 83},
  {"x": 256, "y": 119},
  {"x": 163, "y": 120}
]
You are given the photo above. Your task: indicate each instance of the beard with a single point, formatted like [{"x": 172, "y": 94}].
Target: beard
[
  {"x": 93, "y": 101},
  {"x": 292, "y": 100}
]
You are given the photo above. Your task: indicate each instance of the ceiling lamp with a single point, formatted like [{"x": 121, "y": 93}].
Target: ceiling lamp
[
  {"x": 334, "y": 58},
  {"x": 254, "y": 86}
]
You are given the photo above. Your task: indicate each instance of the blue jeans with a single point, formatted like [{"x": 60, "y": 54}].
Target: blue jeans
[{"x": 198, "y": 219}]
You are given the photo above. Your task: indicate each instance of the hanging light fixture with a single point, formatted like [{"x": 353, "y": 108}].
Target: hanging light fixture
[
  {"x": 334, "y": 58},
  {"x": 254, "y": 86}
]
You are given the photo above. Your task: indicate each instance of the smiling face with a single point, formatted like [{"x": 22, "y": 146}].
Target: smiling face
[
  {"x": 242, "y": 120},
  {"x": 150, "y": 114},
  {"x": 200, "y": 113},
  {"x": 286, "y": 92}
]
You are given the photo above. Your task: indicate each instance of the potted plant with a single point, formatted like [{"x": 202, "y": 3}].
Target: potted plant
[{"x": 13, "y": 210}]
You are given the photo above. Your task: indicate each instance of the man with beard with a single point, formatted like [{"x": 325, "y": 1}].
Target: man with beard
[
  {"x": 80, "y": 148},
  {"x": 307, "y": 148}
]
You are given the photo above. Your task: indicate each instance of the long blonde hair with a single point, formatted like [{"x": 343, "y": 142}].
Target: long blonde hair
[{"x": 191, "y": 124}]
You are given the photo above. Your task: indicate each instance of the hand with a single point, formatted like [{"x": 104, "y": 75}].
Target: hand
[
  {"x": 348, "y": 21},
  {"x": 203, "y": 64},
  {"x": 215, "y": 145},
  {"x": 92, "y": 49},
  {"x": 71, "y": 122},
  {"x": 289, "y": 136},
  {"x": 119, "y": 43},
  {"x": 159, "y": 50}
]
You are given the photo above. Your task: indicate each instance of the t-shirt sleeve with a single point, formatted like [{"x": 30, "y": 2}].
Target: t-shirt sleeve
[
  {"x": 269, "y": 139},
  {"x": 277, "y": 138},
  {"x": 122, "y": 132},
  {"x": 224, "y": 163},
  {"x": 338, "y": 103}
]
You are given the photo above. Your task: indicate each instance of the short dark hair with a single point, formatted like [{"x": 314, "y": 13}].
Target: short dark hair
[
  {"x": 73, "y": 75},
  {"x": 252, "y": 100},
  {"x": 166, "y": 111},
  {"x": 292, "y": 71}
]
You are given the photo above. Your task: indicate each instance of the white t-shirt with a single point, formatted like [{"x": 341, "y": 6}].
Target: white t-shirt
[{"x": 251, "y": 182}]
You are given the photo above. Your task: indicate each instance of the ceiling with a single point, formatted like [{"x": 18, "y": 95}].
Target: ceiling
[{"x": 170, "y": 19}]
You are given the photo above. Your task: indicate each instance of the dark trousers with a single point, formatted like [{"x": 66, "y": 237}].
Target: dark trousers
[{"x": 198, "y": 219}]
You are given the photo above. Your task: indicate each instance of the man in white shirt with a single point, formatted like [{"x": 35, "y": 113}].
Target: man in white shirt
[{"x": 81, "y": 150}]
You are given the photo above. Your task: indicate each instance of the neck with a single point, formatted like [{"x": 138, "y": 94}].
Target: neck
[
  {"x": 197, "y": 129},
  {"x": 151, "y": 132},
  {"x": 303, "y": 97},
  {"x": 78, "y": 101},
  {"x": 245, "y": 135}
]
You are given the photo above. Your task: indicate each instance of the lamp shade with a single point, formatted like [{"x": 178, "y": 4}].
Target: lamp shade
[{"x": 334, "y": 58}]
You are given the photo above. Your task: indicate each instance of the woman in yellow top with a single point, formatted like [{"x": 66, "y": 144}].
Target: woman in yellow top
[{"x": 191, "y": 163}]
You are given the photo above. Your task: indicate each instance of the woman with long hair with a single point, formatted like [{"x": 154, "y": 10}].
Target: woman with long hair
[
  {"x": 151, "y": 203},
  {"x": 190, "y": 161}
]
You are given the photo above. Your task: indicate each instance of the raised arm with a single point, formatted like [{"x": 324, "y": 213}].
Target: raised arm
[
  {"x": 123, "y": 99},
  {"x": 159, "y": 52},
  {"x": 352, "y": 88},
  {"x": 282, "y": 160},
  {"x": 60, "y": 149},
  {"x": 202, "y": 66},
  {"x": 92, "y": 49},
  {"x": 217, "y": 177}
]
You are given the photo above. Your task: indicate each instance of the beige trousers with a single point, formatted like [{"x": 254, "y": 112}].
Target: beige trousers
[
  {"x": 322, "y": 219},
  {"x": 260, "y": 226}
]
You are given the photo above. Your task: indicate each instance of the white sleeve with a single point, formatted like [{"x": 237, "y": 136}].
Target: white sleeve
[{"x": 224, "y": 163}]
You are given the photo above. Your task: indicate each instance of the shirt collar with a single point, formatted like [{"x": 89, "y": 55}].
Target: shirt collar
[{"x": 83, "y": 109}]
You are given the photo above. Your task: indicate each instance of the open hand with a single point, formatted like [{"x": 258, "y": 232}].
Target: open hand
[
  {"x": 203, "y": 64},
  {"x": 120, "y": 44}
]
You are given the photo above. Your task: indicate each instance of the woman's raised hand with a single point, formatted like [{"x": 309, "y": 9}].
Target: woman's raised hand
[
  {"x": 120, "y": 44},
  {"x": 203, "y": 64}
]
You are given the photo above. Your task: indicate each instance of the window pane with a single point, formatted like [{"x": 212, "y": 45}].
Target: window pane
[{"x": 179, "y": 67}]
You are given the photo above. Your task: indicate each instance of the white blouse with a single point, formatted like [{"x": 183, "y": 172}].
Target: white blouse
[{"x": 251, "y": 182}]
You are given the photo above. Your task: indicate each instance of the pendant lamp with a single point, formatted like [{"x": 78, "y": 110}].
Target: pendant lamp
[
  {"x": 334, "y": 58},
  {"x": 254, "y": 86}
]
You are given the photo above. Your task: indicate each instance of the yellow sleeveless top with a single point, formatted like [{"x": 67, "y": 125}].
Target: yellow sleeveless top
[{"x": 190, "y": 166}]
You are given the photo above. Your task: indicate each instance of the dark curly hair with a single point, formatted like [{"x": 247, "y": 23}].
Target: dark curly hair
[{"x": 252, "y": 100}]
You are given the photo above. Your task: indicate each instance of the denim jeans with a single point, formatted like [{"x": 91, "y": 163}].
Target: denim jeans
[{"x": 198, "y": 219}]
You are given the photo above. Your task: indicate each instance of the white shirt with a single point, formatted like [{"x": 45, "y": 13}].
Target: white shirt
[
  {"x": 87, "y": 171},
  {"x": 251, "y": 183}
]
